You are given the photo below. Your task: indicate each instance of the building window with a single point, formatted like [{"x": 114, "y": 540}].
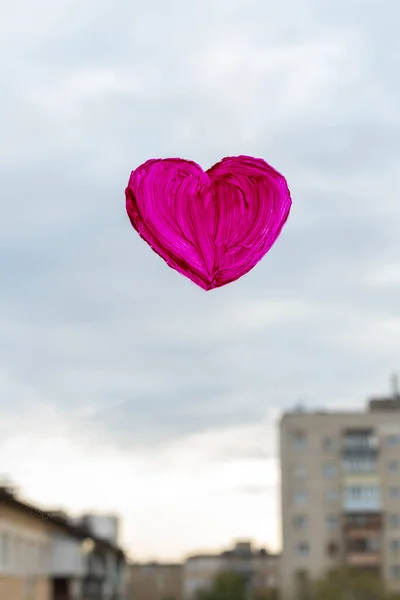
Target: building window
[
  {"x": 392, "y": 440},
  {"x": 361, "y": 441},
  {"x": 331, "y": 496},
  {"x": 302, "y": 548},
  {"x": 2, "y": 561},
  {"x": 4, "y": 549},
  {"x": 332, "y": 549},
  {"x": 300, "y": 498},
  {"x": 29, "y": 588},
  {"x": 32, "y": 555},
  {"x": 300, "y": 522},
  {"x": 395, "y": 571},
  {"x": 331, "y": 522},
  {"x": 393, "y": 465},
  {"x": 364, "y": 545},
  {"x": 329, "y": 470},
  {"x": 302, "y": 581},
  {"x": 43, "y": 558},
  {"x": 328, "y": 444},
  {"x": 394, "y": 520},
  {"x": 374, "y": 544},
  {"x": 299, "y": 440},
  {"x": 301, "y": 575},
  {"x": 359, "y": 465},
  {"x": 395, "y": 492},
  {"x": 366, "y": 492},
  {"x": 300, "y": 471},
  {"x": 358, "y": 520},
  {"x": 395, "y": 545},
  {"x": 35, "y": 557},
  {"x": 11, "y": 552}
]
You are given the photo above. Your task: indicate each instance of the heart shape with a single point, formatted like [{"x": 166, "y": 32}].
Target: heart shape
[{"x": 211, "y": 226}]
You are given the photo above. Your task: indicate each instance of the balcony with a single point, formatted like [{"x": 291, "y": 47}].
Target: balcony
[
  {"x": 363, "y": 549},
  {"x": 353, "y": 534},
  {"x": 360, "y": 444},
  {"x": 362, "y": 498},
  {"x": 362, "y": 505},
  {"x": 359, "y": 465},
  {"x": 364, "y": 559},
  {"x": 362, "y": 523}
]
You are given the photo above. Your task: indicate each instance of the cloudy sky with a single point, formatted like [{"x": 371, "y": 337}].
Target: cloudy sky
[{"x": 123, "y": 386}]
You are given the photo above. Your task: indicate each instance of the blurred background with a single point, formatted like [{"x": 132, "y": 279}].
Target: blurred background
[{"x": 125, "y": 389}]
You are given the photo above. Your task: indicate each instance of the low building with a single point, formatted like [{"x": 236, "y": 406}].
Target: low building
[
  {"x": 155, "y": 581},
  {"x": 25, "y": 552},
  {"x": 259, "y": 568},
  {"x": 45, "y": 556}
]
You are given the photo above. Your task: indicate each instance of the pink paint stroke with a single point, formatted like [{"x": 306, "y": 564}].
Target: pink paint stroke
[{"x": 211, "y": 226}]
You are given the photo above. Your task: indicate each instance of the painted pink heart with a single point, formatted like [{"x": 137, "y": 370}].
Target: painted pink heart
[{"x": 211, "y": 226}]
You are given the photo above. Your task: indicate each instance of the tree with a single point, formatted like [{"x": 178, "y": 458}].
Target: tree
[
  {"x": 226, "y": 586},
  {"x": 347, "y": 584},
  {"x": 271, "y": 594}
]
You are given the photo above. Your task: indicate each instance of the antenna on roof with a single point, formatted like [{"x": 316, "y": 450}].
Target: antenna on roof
[
  {"x": 395, "y": 385},
  {"x": 299, "y": 406}
]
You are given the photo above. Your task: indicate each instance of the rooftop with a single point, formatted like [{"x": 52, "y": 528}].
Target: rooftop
[
  {"x": 375, "y": 405},
  {"x": 9, "y": 498}
]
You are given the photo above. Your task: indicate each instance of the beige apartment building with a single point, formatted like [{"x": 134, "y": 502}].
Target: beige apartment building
[
  {"x": 340, "y": 488},
  {"x": 259, "y": 567}
]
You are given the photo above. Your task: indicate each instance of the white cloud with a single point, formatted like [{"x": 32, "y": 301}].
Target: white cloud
[{"x": 177, "y": 484}]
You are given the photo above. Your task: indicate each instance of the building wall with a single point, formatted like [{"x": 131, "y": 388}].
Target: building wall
[
  {"x": 24, "y": 556},
  {"x": 199, "y": 572},
  {"x": 13, "y": 588},
  {"x": 314, "y": 484},
  {"x": 155, "y": 582},
  {"x": 267, "y": 572},
  {"x": 67, "y": 557},
  {"x": 40, "y": 557},
  {"x": 260, "y": 569}
]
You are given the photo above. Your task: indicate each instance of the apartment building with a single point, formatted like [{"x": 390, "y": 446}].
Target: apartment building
[
  {"x": 259, "y": 567},
  {"x": 340, "y": 493},
  {"x": 46, "y": 556},
  {"x": 155, "y": 581}
]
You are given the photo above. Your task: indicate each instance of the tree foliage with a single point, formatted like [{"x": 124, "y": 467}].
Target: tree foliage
[
  {"x": 226, "y": 586},
  {"x": 271, "y": 594},
  {"x": 346, "y": 584},
  {"x": 232, "y": 586}
]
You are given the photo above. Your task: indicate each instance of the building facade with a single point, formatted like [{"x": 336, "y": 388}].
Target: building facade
[
  {"x": 155, "y": 581},
  {"x": 25, "y": 543},
  {"x": 259, "y": 568},
  {"x": 45, "y": 556},
  {"x": 340, "y": 493}
]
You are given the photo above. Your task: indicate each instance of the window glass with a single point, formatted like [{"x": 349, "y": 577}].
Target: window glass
[
  {"x": 299, "y": 440},
  {"x": 332, "y": 522}
]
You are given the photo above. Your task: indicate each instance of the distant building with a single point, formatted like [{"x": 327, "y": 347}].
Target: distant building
[
  {"x": 45, "y": 556},
  {"x": 104, "y": 527},
  {"x": 340, "y": 474},
  {"x": 258, "y": 567},
  {"x": 155, "y": 581}
]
